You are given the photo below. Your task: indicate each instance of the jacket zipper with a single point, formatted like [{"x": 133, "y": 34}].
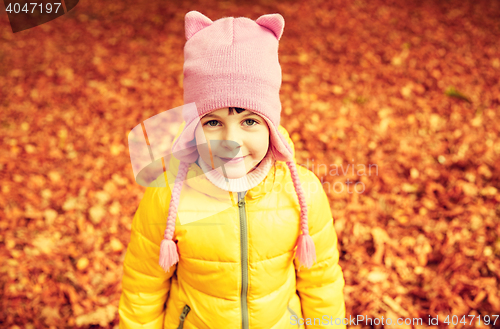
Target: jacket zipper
[
  {"x": 244, "y": 259},
  {"x": 183, "y": 315}
]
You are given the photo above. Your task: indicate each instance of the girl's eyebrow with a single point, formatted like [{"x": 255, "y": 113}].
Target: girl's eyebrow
[
  {"x": 211, "y": 115},
  {"x": 249, "y": 114}
]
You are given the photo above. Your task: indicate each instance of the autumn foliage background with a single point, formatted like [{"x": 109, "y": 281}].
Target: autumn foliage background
[{"x": 409, "y": 86}]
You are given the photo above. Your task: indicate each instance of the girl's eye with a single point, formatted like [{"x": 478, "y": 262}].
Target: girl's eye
[
  {"x": 250, "y": 122},
  {"x": 212, "y": 123}
]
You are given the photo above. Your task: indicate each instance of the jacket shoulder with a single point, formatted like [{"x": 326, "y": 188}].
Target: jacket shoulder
[
  {"x": 319, "y": 211},
  {"x": 310, "y": 182},
  {"x": 306, "y": 174},
  {"x": 150, "y": 217}
]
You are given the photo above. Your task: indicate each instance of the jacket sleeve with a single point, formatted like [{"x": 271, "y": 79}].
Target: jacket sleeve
[
  {"x": 320, "y": 287},
  {"x": 145, "y": 285}
]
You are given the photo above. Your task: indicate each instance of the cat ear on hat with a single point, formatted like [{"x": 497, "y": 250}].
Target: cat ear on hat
[
  {"x": 194, "y": 21},
  {"x": 274, "y": 22}
]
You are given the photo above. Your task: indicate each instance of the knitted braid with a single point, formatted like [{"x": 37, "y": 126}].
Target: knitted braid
[
  {"x": 300, "y": 194},
  {"x": 306, "y": 252},
  {"x": 174, "y": 200},
  {"x": 168, "y": 249}
]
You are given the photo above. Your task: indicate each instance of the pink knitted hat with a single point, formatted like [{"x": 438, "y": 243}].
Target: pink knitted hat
[{"x": 232, "y": 62}]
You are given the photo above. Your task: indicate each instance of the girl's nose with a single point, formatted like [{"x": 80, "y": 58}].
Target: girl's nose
[{"x": 232, "y": 139}]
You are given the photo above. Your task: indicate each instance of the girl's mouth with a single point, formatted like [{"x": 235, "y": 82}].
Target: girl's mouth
[{"x": 232, "y": 160}]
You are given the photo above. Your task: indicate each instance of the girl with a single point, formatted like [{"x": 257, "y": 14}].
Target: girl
[{"x": 268, "y": 258}]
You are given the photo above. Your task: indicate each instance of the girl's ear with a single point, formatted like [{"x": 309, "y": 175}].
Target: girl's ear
[
  {"x": 274, "y": 22},
  {"x": 195, "y": 21}
]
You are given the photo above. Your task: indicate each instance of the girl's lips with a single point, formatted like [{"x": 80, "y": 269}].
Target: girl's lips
[{"x": 232, "y": 160}]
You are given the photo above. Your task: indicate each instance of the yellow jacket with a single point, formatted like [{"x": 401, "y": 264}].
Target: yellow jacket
[{"x": 237, "y": 266}]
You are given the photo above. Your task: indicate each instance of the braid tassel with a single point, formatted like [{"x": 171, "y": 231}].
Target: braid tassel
[
  {"x": 306, "y": 251},
  {"x": 169, "y": 254}
]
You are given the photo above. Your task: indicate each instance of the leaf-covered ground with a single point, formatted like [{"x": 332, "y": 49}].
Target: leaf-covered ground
[{"x": 395, "y": 105}]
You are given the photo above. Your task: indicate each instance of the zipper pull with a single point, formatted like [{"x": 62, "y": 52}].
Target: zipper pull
[
  {"x": 241, "y": 198},
  {"x": 184, "y": 313},
  {"x": 182, "y": 317}
]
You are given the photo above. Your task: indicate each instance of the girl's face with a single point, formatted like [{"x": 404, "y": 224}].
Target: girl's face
[{"x": 234, "y": 143}]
